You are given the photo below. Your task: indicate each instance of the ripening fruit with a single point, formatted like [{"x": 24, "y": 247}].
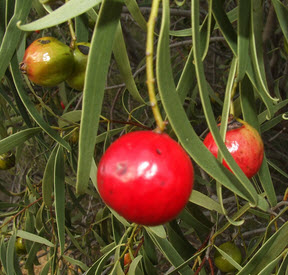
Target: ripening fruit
[
  {"x": 233, "y": 251},
  {"x": 245, "y": 145},
  {"x": 146, "y": 177},
  {"x": 47, "y": 62},
  {"x": 76, "y": 79},
  {"x": 7, "y": 161},
  {"x": 20, "y": 246},
  {"x": 127, "y": 259}
]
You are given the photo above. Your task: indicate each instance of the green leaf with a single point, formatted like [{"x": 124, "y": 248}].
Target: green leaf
[
  {"x": 158, "y": 230},
  {"x": 134, "y": 9},
  {"x": 122, "y": 59},
  {"x": 204, "y": 201},
  {"x": 256, "y": 46},
  {"x": 59, "y": 191},
  {"x": 67, "y": 11},
  {"x": 81, "y": 28},
  {"x": 243, "y": 37},
  {"x": 75, "y": 262},
  {"x": 97, "y": 267},
  {"x": 179, "y": 241},
  {"x": 12, "y": 35},
  {"x": 169, "y": 251},
  {"x": 134, "y": 265},
  {"x": 33, "y": 238},
  {"x": 96, "y": 72},
  {"x": 16, "y": 139},
  {"x": 282, "y": 15},
  {"x": 272, "y": 248},
  {"x": 48, "y": 178},
  {"x": 10, "y": 254}
]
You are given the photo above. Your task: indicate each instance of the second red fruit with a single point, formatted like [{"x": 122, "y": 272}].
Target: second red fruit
[
  {"x": 146, "y": 177},
  {"x": 245, "y": 145}
]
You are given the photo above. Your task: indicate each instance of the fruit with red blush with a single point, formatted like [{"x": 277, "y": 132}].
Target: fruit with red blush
[
  {"x": 245, "y": 145},
  {"x": 47, "y": 62},
  {"x": 76, "y": 79},
  {"x": 146, "y": 177},
  {"x": 127, "y": 259}
]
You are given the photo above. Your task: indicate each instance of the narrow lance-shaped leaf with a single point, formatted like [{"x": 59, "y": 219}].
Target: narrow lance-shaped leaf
[
  {"x": 16, "y": 139},
  {"x": 12, "y": 35},
  {"x": 274, "y": 246},
  {"x": 282, "y": 15},
  {"x": 69, "y": 10},
  {"x": 122, "y": 59},
  {"x": 231, "y": 39},
  {"x": 97, "y": 68},
  {"x": 59, "y": 191},
  {"x": 10, "y": 254},
  {"x": 243, "y": 37},
  {"x": 48, "y": 178}
]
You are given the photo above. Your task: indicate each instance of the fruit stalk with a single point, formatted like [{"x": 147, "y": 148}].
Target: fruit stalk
[{"x": 149, "y": 66}]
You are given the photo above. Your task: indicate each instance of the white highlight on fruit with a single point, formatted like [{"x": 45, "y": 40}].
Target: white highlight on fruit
[
  {"x": 46, "y": 57},
  {"x": 146, "y": 170},
  {"x": 233, "y": 146}
]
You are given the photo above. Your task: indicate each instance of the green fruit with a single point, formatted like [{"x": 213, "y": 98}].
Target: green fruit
[
  {"x": 73, "y": 139},
  {"x": 233, "y": 251},
  {"x": 47, "y": 62},
  {"x": 7, "y": 161},
  {"x": 20, "y": 246},
  {"x": 76, "y": 79}
]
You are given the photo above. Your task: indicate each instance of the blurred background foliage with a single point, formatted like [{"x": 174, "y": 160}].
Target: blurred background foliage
[{"x": 203, "y": 49}]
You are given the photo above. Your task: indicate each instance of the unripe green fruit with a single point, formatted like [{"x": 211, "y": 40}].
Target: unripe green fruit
[
  {"x": 76, "y": 79},
  {"x": 233, "y": 251},
  {"x": 47, "y": 62},
  {"x": 7, "y": 161},
  {"x": 20, "y": 246}
]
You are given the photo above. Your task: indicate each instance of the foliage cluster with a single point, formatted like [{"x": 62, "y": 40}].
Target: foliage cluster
[{"x": 210, "y": 57}]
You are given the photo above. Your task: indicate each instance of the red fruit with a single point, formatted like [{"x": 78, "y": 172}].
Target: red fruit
[
  {"x": 62, "y": 105},
  {"x": 245, "y": 145},
  {"x": 146, "y": 177},
  {"x": 47, "y": 61},
  {"x": 127, "y": 259}
]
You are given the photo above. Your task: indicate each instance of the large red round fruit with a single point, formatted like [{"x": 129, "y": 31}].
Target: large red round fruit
[
  {"x": 145, "y": 177},
  {"x": 245, "y": 145}
]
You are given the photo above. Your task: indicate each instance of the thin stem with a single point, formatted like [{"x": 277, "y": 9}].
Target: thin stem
[
  {"x": 72, "y": 32},
  {"x": 149, "y": 66}
]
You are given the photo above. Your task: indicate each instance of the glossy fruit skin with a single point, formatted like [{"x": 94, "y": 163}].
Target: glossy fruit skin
[
  {"x": 47, "y": 62},
  {"x": 76, "y": 79},
  {"x": 233, "y": 251},
  {"x": 127, "y": 259},
  {"x": 7, "y": 161},
  {"x": 146, "y": 177},
  {"x": 245, "y": 145},
  {"x": 20, "y": 246}
]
